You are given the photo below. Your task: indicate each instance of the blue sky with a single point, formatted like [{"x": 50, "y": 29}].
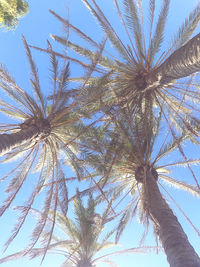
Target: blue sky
[{"x": 36, "y": 26}]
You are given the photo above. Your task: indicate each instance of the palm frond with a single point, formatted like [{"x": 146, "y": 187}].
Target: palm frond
[
  {"x": 103, "y": 61},
  {"x": 78, "y": 31},
  {"x": 107, "y": 28},
  {"x": 122, "y": 224},
  {"x": 186, "y": 29},
  {"x": 50, "y": 127},
  {"x": 181, "y": 185},
  {"x": 134, "y": 24},
  {"x": 170, "y": 147},
  {"x": 35, "y": 82},
  {"x": 17, "y": 182},
  {"x": 158, "y": 35}
]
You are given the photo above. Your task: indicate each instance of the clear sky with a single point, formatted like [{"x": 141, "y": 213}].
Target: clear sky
[{"x": 36, "y": 26}]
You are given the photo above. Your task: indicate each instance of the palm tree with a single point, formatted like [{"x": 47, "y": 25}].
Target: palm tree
[
  {"x": 140, "y": 72},
  {"x": 140, "y": 84},
  {"x": 50, "y": 124},
  {"x": 128, "y": 165},
  {"x": 82, "y": 238},
  {"x": 11, "y": 11}
]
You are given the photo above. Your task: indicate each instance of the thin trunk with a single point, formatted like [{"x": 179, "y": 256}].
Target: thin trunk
[
  {"x": 183, "y": 62},
  {"x": 179, "y": 251},
  {"x": 10, "y": 141}
]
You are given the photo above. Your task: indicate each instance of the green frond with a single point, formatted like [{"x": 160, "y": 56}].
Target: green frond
[
  {"x": 61, "y": 223},
  {"x": 103, "y": 61},
  {"x": 175, "y": 104},
  {"x": 160, "y": 26},
  {"x": 151, "y": 16},
  {"x": 46, "y": 171},
  {"x": 181, "y": 185},
  {"x": 9, "y": 85},
  {"x": 17, "y": 153},
  {"x": 16, "y": 183},
  {"x": 72, "y": 231},
  {"x": 122, "y": 224},
  {"x": 186, "y": 29},
  {"x": 170, "y": 147},
  {"x": 75, "y": 29},
  {"x": 104, "y": 243},
  {"x": 35, "y": 82},
  {"x": 61, "y": 95},
  {"x": 161, "y": 170},
  {"x": 183, "y": 163},
  {"x": 12, "y": 114},
  {"x": 41, "y": 160},
  {"x": 110, "y": 32},
  {"x": 134, "y": 23},
  {"x": 73, "y": 161},
  {"x": 95, "y": 93},
  {"x": 82, "y": 80},
  {"x": 42, "y": 220},
  {"x": 14, "y": 256},
  {"x": 45, "y": 149},
  {"x": 11, "y": 110},
  {"x": 63, "y": 191}
]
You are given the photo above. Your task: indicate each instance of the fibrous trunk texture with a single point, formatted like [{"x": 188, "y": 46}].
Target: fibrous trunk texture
[
  {"x": 179, "y": 251},
  {"x": 30, "y": 129},
  {"x": 84, "y": 263},
  {"x": 10, "y": 141},
  {"x": 183, "y": 62}
]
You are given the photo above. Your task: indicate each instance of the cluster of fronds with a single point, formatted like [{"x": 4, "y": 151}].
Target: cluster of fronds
[
  {"x": 57, "y": 117},
  {"x": 140, "y": 77},
  {"x": 81, "y": 238},
  {"x": 132, "y": 97},
  {"x": 140, "y": 84},
  {"x": 118, "y": 157}
]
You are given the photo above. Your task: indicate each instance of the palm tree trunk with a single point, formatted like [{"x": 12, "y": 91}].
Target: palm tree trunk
[
  {"x": 183, "y": 62},
  {"x": 84, "y": 263},
  {"x": 10, "y": 141},
  {"x": 174, "y": 241}
]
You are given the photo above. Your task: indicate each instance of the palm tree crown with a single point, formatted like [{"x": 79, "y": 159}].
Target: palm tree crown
[
  {"x": 50, "y": 125},
  {"x": 139, "y": 77},
  {"x": 135, "y": 92},
  {"x": 140, "y": 85},
  {"x": 82, "y": 237},
  {"x": 128, "y": 166}
]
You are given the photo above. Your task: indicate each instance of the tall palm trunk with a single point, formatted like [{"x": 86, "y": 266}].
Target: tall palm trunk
[
  {"x": 10, "y": 141},
  {"x": 29, "y": 130},
  {"x": 84, "y": 263},
  {"x": 183, "y": 62},
  {"x": 174, "y": 241}
]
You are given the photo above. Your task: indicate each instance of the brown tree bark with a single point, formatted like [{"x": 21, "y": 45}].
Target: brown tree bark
[
  {"x": 179, "y": 251},
  {"x": 183, "y": 62},
  {"x": 10, "y": 141},
  {"x": 84, "y": 263},
  {"x": 30, "y": 129}
]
